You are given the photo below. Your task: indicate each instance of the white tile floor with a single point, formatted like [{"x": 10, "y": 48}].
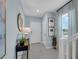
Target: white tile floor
[{"x": 38, "y": 51}]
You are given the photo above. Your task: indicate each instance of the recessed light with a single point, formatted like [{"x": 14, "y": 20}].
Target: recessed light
[{"x": 37, "y": 10}]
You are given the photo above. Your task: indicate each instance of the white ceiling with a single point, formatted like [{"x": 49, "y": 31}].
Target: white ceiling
[{"x": 39, "y": 7}]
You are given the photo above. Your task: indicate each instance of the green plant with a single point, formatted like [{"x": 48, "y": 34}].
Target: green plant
[
  {"x": 54, "y": 41},
  {"x": 22, "y": 41},
  {"x": 54, "y": 38}
]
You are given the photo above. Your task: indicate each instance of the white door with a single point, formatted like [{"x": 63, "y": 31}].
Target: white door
[{"x": 36, "y": 32}]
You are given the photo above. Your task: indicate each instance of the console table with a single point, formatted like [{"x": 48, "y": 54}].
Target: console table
[{"x": 22, "y": 48}]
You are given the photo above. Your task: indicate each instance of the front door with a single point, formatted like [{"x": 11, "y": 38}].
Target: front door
[{"x": 36, "y": 32}]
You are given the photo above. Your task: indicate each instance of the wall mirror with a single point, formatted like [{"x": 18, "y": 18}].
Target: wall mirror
[
  {"x": 2, "y": 28},
  {"x": 20, "y": 22}
]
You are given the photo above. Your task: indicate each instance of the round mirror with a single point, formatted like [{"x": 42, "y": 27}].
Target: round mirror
[{"x": 20, "y": 22}]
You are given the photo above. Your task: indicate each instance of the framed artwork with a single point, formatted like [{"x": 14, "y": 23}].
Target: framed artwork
[
  {"x": 51, "y": 22},
  {"x": 50, "y": 26},
  {"x": 2, "y": 28},
  {"x": 51, "y": 31},
  {"x": 20, "y": 22}
]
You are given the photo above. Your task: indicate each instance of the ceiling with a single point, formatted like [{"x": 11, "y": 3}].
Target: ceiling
[{"x": 40, "y": 7}]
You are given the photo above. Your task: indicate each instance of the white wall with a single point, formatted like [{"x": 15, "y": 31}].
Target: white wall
[
  {"x": 45, "y": 38},
  {"x": 44, "y": 30},
  {"x": 11, "y": 28}
]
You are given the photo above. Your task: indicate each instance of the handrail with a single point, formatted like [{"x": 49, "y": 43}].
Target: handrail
[
  {"x": 64, "y": 46},
  {"x": 73, "y": 37}
]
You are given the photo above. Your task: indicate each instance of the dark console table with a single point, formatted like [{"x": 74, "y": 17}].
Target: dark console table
[{"x": 22, "y": 48}]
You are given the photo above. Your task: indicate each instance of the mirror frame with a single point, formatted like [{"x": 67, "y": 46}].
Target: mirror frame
[{"x": 19, "y": 22}]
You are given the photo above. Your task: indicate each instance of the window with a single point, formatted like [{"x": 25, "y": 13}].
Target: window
[{"x": 64, "y": 25}]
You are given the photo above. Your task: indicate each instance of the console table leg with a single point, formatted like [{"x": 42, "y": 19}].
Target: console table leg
[
  {"x": 27, "y": 54},
  {"x": 16, "y": 55}
]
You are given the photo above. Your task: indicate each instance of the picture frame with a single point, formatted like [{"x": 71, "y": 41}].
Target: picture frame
[
  {"x": 51, "y": 26},
  {"x": 2, "y": 28},
  {"x": 51, "y": 22}
]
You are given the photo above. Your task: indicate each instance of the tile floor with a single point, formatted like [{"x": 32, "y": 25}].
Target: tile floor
[{"x": 38, "y": 51}]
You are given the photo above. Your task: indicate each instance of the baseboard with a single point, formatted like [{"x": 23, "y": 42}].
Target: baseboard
[{"x": 49, "y": 47}]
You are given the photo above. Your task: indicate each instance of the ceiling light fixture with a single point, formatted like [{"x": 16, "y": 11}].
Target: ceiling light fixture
[{"x": 37, "y": 10}]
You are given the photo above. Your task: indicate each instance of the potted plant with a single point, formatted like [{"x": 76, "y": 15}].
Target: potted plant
[
  {"x": 22, "y": 41},
  {"x": 54, "y": 41}
]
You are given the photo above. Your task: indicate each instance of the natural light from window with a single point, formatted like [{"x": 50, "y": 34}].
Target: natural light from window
[{"x": 65, "y": 25}]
